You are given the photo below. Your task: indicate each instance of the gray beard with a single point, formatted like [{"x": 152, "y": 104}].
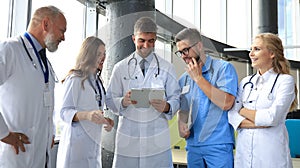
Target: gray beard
[{"x": 50, "y": 44}]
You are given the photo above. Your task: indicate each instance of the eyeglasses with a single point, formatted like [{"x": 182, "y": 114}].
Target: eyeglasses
[{"x": 184, "y": 51}]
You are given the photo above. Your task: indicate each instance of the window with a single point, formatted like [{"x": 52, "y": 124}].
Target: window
[
  {"x": 164, "y": 6},
  {"x": 213, "y": 19},
  {"x": 184, "y": 12},
  {"x": 288, "y": 26},
  {"x": 4, "y": 19},
  {"x": 239, "y": 23}
]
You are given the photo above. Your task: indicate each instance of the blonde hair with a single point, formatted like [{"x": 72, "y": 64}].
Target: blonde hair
[
  {"x": 86, "y": 58},
  {"x": 280, "y": 64}
]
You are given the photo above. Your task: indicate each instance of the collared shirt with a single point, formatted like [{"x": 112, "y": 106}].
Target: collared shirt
[
  {"x": 37, "y": 45},
  {"x": 147, "y": 62},
  {"x": 210, "y": 123}
]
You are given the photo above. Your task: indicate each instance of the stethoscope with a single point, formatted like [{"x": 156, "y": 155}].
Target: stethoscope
[
  {"x": 98, "y": 93},
  {"x": 34, "y": 64},
  {"x": 270, "y": 96},
  {"x": 135, "y": 65}
]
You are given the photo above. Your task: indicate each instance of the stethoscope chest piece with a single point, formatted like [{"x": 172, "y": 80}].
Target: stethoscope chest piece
[{"x": 270, "y": 95}]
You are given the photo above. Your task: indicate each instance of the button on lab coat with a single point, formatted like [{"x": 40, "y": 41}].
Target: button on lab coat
[
  {"x": 79, "y": 144},
  {"x": 264, "y": 147},
  {"x": 22, "y": 106},
  {"x": 143, "y": 132}
]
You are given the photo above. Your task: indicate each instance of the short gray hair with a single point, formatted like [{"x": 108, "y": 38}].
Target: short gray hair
[
  {"x": 190, "y": 34},
  {"x": 145, "y": 25},
  {"x": 47, "y": 11}
]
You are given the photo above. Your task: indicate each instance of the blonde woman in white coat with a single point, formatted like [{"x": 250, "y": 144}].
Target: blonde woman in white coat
[
  {"x": 263, "y": 101},
  {"x": 82, "y": 110}
]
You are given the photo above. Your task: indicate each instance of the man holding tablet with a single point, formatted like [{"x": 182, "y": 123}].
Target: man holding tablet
[{"x": 142, "y": 138}]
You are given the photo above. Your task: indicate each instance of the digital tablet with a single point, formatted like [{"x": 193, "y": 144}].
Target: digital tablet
[{"x": 143, "y": 96}]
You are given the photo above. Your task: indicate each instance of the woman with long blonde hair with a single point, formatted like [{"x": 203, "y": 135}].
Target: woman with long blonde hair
[
  {"x": 260, "y": 110},
  {"x": 82, "y": 109}
]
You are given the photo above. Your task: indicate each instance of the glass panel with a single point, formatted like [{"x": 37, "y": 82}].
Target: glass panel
[
  {"x": 213, "y": 19},
  {"x": 4, "y": 19},
  {"x": 164, "y": 6},
  {"x": 288, "y": 26},
  {"x": 160, "y": 5},
  {"x": 183, "y": 12},
  {"x": 239, "y": 23}
]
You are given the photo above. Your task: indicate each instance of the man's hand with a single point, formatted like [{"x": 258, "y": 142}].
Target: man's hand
[
  {"x": 126, "y": 101},
  {"x": 16, "y": 140},
  {"x": 160, "y": 105},
  {"x": 194, "y": 69},
  {"x": 184, "y": 131}
]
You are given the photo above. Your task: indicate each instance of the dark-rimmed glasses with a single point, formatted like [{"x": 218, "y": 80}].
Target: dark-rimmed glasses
[{"x": 184, "y": 51}]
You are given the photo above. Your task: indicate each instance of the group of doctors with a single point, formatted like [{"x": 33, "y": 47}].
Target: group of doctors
[{"x": 208, "y": 99}]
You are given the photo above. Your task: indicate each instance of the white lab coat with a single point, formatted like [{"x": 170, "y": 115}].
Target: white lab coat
[
  {"x": 79, "y": 144},
  {"x": 264, "y": 147},
  {"x": 22, "y": 106},
  {"x": 142, "y": 133}
]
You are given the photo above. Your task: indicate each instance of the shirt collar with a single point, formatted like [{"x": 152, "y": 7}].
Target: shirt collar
[
  {"x": 148, "y": 58},
  {"x": 37, "y": 45},
  {"x": 267, "y": 74},
  {"x": 207, "y": 64}
]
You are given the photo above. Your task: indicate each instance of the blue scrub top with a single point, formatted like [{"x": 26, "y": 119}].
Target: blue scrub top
[{"x": 210, "y": 123}]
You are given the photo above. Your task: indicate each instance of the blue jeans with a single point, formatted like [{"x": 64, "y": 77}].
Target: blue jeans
[{"x": 210, "y": 156}]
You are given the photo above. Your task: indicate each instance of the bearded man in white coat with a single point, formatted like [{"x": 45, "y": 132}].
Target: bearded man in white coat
[
  {"x": 27, "y": 91},
  {"x": 142, "y": 138}
]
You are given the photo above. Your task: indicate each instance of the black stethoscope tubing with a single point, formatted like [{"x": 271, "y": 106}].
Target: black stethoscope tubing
[
  {"x": 135, "y": 65},
  {"x": 98, "y": 96},
  {"x": 252, "y": 85},
  {"x": 29, "y": 56},
  {"x": 34, "y": 64}
]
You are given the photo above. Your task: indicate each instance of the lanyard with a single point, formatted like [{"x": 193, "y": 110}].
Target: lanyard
[
  {"x": 98, "y": 96},
  {"x": 46, "y": 71},
  {"x": 98, "y": 77}
]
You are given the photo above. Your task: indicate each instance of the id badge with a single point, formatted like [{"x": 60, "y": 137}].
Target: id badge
[
  {"x": 47, "y": 99},
  {"x": 185, "y": 89}
]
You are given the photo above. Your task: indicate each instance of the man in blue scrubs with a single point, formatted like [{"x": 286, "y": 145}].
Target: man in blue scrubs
[{"x": 209, "y": 87}]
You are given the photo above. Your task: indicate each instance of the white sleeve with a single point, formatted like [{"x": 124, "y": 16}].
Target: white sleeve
[
  {"x": 285, "y": 95},
  {"x": 172, "y": 92},
  {"x": 3, "y": 128},
  {"x": 70, "y": 99},
  {"x": 234, "y": 118},
  {"x": 7, "y": 67},
  {"x": 7, "y": 61},
  {"x": 114, "y": 94}
]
